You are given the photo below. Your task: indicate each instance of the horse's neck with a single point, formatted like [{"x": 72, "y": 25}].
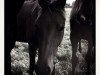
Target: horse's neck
[{"x": 82, "y": 7}]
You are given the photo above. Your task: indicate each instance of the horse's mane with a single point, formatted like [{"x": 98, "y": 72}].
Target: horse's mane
[
  {"x": 51, "y": 9},
  {"x": 60, "y": 11}
]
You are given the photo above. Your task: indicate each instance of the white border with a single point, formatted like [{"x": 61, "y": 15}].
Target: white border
[
  {"x": 97, "y": 37},
  {"x": 1, "y": 37}
]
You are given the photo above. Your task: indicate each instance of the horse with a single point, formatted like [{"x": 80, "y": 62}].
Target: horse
[
  {"x": 41, "y": 24},
  {"x": 82, "y": 26}
]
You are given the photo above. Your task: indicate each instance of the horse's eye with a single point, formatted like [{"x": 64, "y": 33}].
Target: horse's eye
[{"x": 60, "y": 27}]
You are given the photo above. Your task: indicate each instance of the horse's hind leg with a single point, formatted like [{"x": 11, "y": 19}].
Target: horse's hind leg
[
  {"x": 74, "y": 42},
  {"x": 89, "y": 57},
  {"x": 32, "y": 53}
]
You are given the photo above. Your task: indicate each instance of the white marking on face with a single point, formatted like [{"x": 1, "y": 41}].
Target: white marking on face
[{"x": 50, "y": 63}]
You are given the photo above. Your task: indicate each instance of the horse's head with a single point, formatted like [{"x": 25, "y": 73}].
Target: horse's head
[{"x": 50, "y": 26}]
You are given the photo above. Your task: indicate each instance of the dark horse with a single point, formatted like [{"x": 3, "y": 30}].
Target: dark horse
[
  {"x": 41, "y": 24},
  {"x": 82, "y": 23}
]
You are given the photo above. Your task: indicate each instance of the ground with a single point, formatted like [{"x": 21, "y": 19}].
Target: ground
[{"x": 20, "y": 55}]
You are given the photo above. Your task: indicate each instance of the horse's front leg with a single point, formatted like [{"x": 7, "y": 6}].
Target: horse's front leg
[
  {"x": 32, "y": 53},
  {"x": 74, "y": 42},
  {"x": 9, "y": 44},
  {"x": 7, "y": 62},
  {"x": 80, "y": 46}
]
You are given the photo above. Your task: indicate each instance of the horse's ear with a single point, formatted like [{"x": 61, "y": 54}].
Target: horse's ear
[
  {"x": 44, "y": 3},
  {"x": 55, "y": 3},
  {"x": 59, "y": 3}
]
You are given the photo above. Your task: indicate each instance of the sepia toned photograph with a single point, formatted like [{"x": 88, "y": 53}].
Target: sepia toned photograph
[{"x": 49, "y": 37}]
